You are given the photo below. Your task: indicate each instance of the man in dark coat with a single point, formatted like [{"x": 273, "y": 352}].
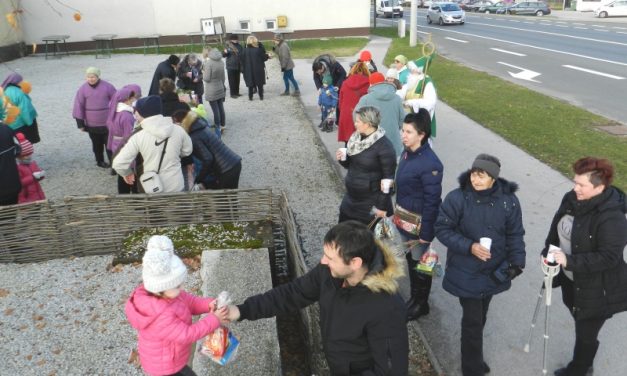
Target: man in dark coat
[
  {"x": 362, "y": 315},
  {"x": 326, "y": 65},
  {"x": 10, "y": 185},
  {"x": 165, "y": 69},
  {"x": 233, "y": 52}
]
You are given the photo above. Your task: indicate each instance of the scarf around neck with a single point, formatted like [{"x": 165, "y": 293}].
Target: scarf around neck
[{"x": 356, "y": 145}]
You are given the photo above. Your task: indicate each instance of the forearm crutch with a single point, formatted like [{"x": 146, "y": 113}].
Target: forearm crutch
[
  {"x": 535, "y": 317},
  {"x": 550, "y": 270}
]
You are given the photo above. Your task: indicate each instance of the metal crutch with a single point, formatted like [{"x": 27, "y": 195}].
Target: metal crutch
[
  {"x": 535, "y": 317},
  {"x": 550, "y": 270}
]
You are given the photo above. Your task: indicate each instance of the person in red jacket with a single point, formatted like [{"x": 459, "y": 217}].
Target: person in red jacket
[
  {"x": 353, "y": 88},
  {"x": 30, "y": 173},
  {"x": 161, "y": 312}
]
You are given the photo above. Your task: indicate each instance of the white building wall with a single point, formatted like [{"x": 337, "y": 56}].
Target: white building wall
[
  {"x": 133, "y": 18},
  {"x": 9, "y": 35}
]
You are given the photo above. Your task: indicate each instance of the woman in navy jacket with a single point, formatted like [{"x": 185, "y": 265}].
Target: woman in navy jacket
[
  {"x": 418, "y": 190},
  {"x": 483, "y": 206}
]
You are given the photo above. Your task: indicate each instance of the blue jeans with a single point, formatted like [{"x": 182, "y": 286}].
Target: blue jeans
[{"x": 288, "y": 76}]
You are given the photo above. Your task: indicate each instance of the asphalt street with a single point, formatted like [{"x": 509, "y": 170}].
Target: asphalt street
[{"x": 582, "y": 61}]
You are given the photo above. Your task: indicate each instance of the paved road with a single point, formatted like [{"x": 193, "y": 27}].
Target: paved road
[
  {"x": 459, "y": 141},
  {"x": 582, "y": 61}
]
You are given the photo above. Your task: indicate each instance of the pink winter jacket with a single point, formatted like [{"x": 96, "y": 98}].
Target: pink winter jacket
[
  {"x": 165, "y": 329},
  {"x": 31, "y": 189}
]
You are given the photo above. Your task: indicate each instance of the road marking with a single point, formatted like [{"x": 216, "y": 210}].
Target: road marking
[
  {"x": 560, "y": 22},
  {"x": 619, "y": 28},
  {"x": 508, "y": 52},
  {"x": 594, "y": 72},
  {"x": 513, "y": 21},
  {"x": 621, "y": 32},
  {"x": 601, "y": 26},
  {"x": 541, "y": 32},
  {"x": 456, "y": 40},
  {"x": 532, "y": 46},
  {"x": 601, "y": 30},
  {"x": 579, "y": 23},
  {"x": 580, "y": 28},
  {"x": 562, "y": 26},
  {"x": 528, "y": 22},
  {"x": 524, "y": 74}
]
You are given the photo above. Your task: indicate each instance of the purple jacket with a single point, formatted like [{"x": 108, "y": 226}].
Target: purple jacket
[
  {"x": 91, "y": 103},
  {"x": 121, "y": 128}
]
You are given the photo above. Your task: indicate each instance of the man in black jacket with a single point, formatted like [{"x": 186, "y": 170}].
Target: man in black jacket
[
  {"x": 166, "y": 68},
  {"x": 362, "y": 315},
  {"x": 327, "y": 65},
  {"x": 233, "y": 53}
]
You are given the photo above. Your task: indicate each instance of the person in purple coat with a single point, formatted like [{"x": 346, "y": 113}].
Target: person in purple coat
[
  {"x": 120, "y": 124},
  {"x": 91, "y": 109}
]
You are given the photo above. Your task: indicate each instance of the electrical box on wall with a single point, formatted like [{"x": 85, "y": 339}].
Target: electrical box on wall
[{"x": 281, "y": 21}]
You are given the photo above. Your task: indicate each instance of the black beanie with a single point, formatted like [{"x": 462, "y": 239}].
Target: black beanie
[
  {"x": 173, "y": 60},
  {"x": 489, "y": 164},
  {"x": 149, "y": 106}
]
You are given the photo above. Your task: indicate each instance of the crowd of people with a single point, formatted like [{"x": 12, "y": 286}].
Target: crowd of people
[{"x": 165, "y": 142}]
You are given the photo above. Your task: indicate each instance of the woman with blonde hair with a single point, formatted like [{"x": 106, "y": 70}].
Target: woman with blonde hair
[
  {"x": 254, "y": 66},
  {"x": 353, "y": 88}
]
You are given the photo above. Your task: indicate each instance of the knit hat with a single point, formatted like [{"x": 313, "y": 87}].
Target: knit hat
[
  {"x": 376, "y": 77},
  {"x": 278, "y": 37},
  {"x": 27, "y": 147},
  {"x": 163, "y": 270},
  {"x": 149, "y": 106},
  {"x": 93, "y": 70},
  {"x": 173, "y": 59},
  {"x": 365, "y": 55},
  {"x": 489, "y": 164},
  {"x": 401, "y": 58},
  {"x": 327, "y": 79},
  {"x": 392, "y": 73}
]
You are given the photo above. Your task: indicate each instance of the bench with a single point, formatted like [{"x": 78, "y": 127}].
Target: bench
[
  {"x": 56, "y": 45},
  {"x": 104, "y": 45},
  {"x": 151, "y": 40}
]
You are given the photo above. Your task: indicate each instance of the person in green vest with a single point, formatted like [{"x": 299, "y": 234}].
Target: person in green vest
[
  {"x": 419, "y": 92},
  {"x": 400, "y": 63}
]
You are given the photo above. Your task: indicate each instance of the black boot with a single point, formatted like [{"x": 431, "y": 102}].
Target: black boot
[
  {"x": 583, "y": 357},
  {"x": 420, "y": 286}
]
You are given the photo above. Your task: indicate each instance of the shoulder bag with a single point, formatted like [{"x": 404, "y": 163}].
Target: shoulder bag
[{"x": 150, "y": 180}]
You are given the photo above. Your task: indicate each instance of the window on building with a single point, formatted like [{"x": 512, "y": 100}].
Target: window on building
[
  {"x": 271, "y": 24},
  {"x": 244, "y": 25}
]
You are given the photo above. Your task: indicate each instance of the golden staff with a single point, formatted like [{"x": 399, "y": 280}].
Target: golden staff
[{"x": 428, "y": 49}]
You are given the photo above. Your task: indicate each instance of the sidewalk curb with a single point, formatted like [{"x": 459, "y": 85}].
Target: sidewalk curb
[{"x": 430, "y": 354}]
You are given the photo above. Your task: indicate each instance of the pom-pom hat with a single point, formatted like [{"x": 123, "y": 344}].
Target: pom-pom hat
[
  {"x": 376, "y": 77},
  {"x": 27, "y": 147},
  {"x": 162, "y": 269},
  {"x": 365, "y": 55}
]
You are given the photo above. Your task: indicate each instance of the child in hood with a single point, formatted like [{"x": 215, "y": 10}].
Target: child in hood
[
  {"x": 161, "y": 312},
  {"x": 327, "y": 101},
  {"x": 30, "y": 173}
]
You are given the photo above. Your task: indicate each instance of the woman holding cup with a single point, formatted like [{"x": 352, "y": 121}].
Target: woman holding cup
[
  {"x": 587, "y": 238},
  {"x": 369, "y": 158},
  {"x": 484, "y": 206},
  {"x": 418, "y": 198}
]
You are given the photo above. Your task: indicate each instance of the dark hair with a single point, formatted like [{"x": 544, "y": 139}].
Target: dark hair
[
  {"x": 352, "y": 239},
  {"x": 421, "y": 122},
  {"x": 166, "y": 85},
  {"x": 180, "y": 114},
  {"x": 316, "y": 66},
  {"x": 173, "y": 59},
  {"x": 600, "y": 170}
]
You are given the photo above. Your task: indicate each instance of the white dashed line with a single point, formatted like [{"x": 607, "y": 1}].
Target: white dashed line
[
  {"x": 601, "y": 30},
  {"x": 619, "y": 28},
  {"x": 621, "y": 32},
  {"x": 562, "y": 26},
  {"x": 580, "y": 28},
  {"x": 508, "y": 52},
  {"x": 513, "y": 21},
  {"x": 579, "y": 23},
  {"x": 601, "y": 26},
  {"x": 594, "y": 72},
  {"x": 456, "y": 40}
]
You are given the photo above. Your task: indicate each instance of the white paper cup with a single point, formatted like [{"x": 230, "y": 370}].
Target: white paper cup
[
  {"x": 343, "y": 151},
  {"x": 385, "y": 185},
  {"x": 486, "y": 243},
  {"x": 550, "y": 257}
]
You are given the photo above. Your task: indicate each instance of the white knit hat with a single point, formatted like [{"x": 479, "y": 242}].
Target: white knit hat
[{"x": 163, "y": 270}]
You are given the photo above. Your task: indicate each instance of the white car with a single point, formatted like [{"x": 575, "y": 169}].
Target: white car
[
  {"x": 446, "y": 13},
  {"x": 615, "y": 8}
]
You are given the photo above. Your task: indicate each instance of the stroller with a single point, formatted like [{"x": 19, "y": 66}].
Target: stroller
[{"x": 328, "y": 122}]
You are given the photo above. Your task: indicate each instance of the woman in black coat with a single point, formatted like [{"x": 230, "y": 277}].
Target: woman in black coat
[
  {"x": 253, "y": 63},
  {"x": 590, "y": 229},
  {"x": 369, "y": 159},
  {"x": 10, "y": 185}
]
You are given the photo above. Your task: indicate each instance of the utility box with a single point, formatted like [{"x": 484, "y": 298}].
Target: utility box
[{"x": 281, "y": 21}]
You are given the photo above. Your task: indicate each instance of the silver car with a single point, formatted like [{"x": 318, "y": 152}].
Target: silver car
[{"x": 446, "y": 13}]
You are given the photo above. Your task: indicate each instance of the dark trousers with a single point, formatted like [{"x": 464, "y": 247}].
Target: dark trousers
[
  {"x": 259, "y": 91},
  {"x": 217, "y": 107},
  {"x": 98, "y": 144},
  {"x": 185, "y": 371},
  {"x": 123, "y": 186},
  {"x": 288, "y": 76},
  {"x": 233, "y": 76},
  {"x": 230, "y": 179},
  {"x": 9, "y": 200},
  {"x": 474, "y": 316}
]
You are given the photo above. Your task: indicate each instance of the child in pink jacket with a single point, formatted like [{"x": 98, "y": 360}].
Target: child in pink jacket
[
  {"x": 30, "y": 173},
  {"x": 161, "y": 312}
]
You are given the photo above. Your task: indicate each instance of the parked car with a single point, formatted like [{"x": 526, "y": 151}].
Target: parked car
[
  {"x": 613, "y": 9},
  {"x": 465, "y": 4},
  {"x": 446, "y": 13},
  {"x": 492, "y": 8},
  {"x": 474, "y": 7},
  {"x": 537, "y": 8},
  {"x": 389, "y": 8}
]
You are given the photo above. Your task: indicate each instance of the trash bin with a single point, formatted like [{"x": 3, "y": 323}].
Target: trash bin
[{"x": 401, "y": 28}]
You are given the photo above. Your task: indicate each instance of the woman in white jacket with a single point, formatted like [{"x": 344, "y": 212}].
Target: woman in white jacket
[{"x": 150, "y": 142}]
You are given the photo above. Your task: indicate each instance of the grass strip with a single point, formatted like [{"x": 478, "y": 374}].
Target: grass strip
[{"x": 549, "y": 129}]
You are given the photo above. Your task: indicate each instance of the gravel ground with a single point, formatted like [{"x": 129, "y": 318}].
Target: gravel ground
[{"x": 65, "y": 317}]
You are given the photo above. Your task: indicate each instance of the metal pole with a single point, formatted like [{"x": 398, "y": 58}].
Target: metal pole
[
  {"x": 413, "y": 23},
  {"x": 535, "y": 317}
]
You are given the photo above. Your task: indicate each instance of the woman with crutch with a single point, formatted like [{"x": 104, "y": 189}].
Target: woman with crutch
[
  {"x": 480, "y": 223},
  {"x": 590, "y": 229}
]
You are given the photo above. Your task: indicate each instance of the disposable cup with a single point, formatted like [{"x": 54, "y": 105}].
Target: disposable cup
[
  {"x": 385, "y": 185},
  {"x": 343, "y": 151},
  {"x": 486, "y": 243}
]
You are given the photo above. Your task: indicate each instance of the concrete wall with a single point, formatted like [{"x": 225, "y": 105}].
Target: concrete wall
[{"x": 130, "y": 19}]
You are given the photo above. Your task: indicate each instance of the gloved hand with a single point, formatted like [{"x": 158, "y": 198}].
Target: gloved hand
[{"x": 513, "y": 271}]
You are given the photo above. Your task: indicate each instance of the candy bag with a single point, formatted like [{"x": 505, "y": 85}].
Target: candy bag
[
  {"x": 220, "y": 346},
  {"x": 430, "y": 263},
  {"x": 388, "y": 234}
]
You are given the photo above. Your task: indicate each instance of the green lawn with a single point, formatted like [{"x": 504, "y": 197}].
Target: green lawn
[{"x": 551, "y": 130}]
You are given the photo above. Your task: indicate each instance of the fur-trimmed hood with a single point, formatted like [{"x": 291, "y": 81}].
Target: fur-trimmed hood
[
  {"x": 385, "y": 270},
  {"x": 189, "y": 119},
  {"x": 507, "y": 186}
]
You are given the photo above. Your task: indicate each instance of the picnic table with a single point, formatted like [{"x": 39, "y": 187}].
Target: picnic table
[
  {"x": 104, "y": 45},
  {"x": 56, "y": 41}
]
